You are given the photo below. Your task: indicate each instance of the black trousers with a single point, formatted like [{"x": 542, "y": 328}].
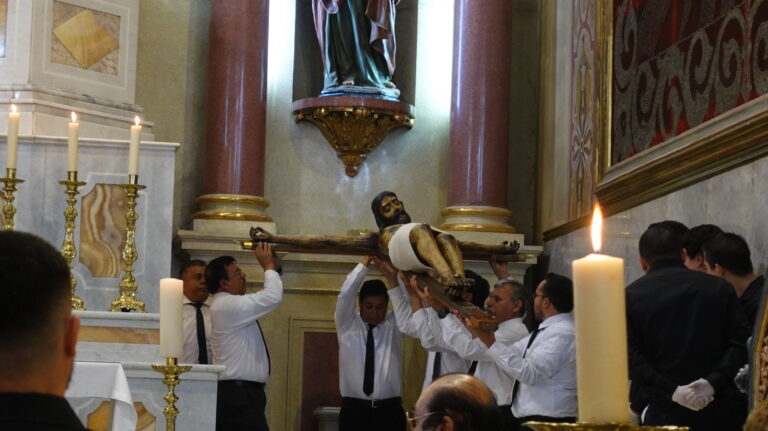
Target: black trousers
[
  {"x": 521, "y": 421},
  {"x": 507, "y": 420},
  {"x": 240, "y": 406},
  {"x": 379, "y": 415},
  {"x": 725, "y": 414}
]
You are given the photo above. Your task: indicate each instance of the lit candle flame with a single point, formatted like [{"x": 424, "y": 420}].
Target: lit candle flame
[
  {"x": 73, "y": 115},
  {"x": 137, "y": 120},
  {"x": 597, "y": 227},
  {"x": 13, "y": 107}
]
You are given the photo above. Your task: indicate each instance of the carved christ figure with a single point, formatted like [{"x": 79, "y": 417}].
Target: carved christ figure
[{"x": 410, "y": 246}]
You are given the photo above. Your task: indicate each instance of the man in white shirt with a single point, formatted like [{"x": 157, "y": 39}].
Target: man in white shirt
[
  {"x": 237, "y": 340},
  {"x": 544, "y": 363},
  {"x": 196, "y": 314},
  {"x": 505, "y": 305},
  {"x": 423, "y": 323},
  {"x": 370, "y": 375}
]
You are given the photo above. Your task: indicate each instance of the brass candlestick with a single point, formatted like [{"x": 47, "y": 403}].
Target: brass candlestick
[
  {"x": 128, "y": 286},
  {"x": 9, "y": 211},
  {"x": 171, "y": 370},
  {"x": 68, "y": 249},
  {"x": 613, "y": 426}
]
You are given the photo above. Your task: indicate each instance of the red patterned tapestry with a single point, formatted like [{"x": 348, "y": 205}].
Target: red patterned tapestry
[{"x": 680, "y": 63}]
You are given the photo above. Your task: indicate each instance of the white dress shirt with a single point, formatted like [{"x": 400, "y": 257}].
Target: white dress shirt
[
  {"x": 424, "y": 324},
  {"x": 189, "y": 329},
  {"x": 508, "y": 333},
  {"x": 236, "y": 337},
  {"x": 547, "y": 373},
  {"x": 352, "y": 333}
]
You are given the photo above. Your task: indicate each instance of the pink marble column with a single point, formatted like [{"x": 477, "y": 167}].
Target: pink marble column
[
  {"x": 236, "y": 107},
  {"x": 477, "y": 180}
]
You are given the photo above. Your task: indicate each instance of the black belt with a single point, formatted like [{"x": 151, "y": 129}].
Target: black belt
[
  {"x": 372, "y": 404},
  {"x": 242, "y": 383}
]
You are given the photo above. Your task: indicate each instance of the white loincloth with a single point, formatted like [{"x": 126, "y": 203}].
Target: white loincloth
[{"x": 401, "y": 251}]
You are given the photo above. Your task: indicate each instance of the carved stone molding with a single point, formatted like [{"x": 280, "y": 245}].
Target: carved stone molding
[{"x": 354, "y": 126}]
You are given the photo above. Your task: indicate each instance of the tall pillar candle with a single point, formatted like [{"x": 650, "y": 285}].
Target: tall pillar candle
[
  {"x": 601, "y": 338},
  {"x": 133, "y": 152},
  {"x": 74, "y": 132},
  {"x": 171, "y": 336},
  {"x": 12, "y": 148}
]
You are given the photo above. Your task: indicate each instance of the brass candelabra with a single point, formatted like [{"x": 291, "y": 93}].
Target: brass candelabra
[
  {"x": 68, "y": 249},
  {"x": 171, "y": 371},
  {"x": 613, "y": 426},
  {"x": 127, "y": 301},
  {"x": 9, "y": 211}
]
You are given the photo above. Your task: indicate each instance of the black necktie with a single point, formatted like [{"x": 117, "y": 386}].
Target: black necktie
[
  {"x": 370, "y": 349},
  {"x": 436, "y": 365},
  {"x": 202, "y": 347},
  {"x": 266, "y": 349},
  {"x": 472, "y": 368},
  {"x": 530, "y": 341}
]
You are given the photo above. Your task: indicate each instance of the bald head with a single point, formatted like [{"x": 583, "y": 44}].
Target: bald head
[{"x": 457, "y": 402}]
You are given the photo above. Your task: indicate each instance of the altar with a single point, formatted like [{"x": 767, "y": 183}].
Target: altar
[{"x": 114, "y": 385}]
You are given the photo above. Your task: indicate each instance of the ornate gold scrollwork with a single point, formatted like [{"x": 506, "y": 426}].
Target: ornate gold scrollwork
[{"x": 354, "y": 131}]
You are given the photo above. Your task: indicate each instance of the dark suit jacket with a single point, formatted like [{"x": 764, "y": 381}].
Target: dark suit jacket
[
  {"x": 36, "y": 412},
  {"x": 682, "y": 325}
]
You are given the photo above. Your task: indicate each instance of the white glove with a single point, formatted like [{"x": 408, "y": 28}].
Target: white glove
[
  {"x": 683, "y": 396},
  {"x": 703, "y": 393},
  {"x": 694, "y": 396}
]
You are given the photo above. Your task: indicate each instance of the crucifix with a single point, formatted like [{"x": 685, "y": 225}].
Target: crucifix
[{"x": 436, "y": 257}]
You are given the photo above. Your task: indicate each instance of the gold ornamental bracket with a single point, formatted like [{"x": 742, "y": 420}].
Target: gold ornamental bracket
[
  {"x": 354, "y": 126},
  {"x": 585, "y": 426}
]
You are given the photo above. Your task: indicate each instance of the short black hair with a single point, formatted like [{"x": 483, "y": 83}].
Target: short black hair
[
  {"x": 461, "y": 403},
  {"x": 559, "y": 290},
  {"x": 731, "y": 252},
  {"x": 372, "y": 288},
  {"x": 697, "y": 236},
  {"x": 35, "y": 287},
  {"x": 375, "y": 203},
  {"x": 216, "y": 270},
  {"x": 479, "y": 289},
  {"x": 662, "y": 240},
  {"x": 190, "y": 264}
]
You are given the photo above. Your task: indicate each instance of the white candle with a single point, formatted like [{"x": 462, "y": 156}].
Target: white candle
[
  {"x": 601, "y": 335},
  {"x": 171, "y": 336},
  {"x": 74, "y": 132},
  {"x": 13, "y": 138},
  {"x": 133, "y": 152}
]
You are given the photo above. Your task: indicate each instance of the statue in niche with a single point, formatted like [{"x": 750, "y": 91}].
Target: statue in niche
[
  {"x": 413, "y": 247},
  {"x": 357, "y": 40}
]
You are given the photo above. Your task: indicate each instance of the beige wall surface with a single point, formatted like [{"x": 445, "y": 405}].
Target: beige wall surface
[{"x": 171, "y": 87}]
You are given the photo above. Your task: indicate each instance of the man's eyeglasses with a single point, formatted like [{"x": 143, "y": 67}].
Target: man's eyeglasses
[{"x": 412, "y": 418}]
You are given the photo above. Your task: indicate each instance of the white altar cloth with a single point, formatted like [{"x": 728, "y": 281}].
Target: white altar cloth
[{"x": 105, "y": 380}]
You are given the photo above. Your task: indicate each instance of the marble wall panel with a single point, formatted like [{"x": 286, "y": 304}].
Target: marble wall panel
[
  {"x": 102, "y": 229},
  {"x": 735, "y": 201},
  {"x": 85, "y": 38},
  {"x": 40, "y": 204},
  {"x": 321, "y": 377}
]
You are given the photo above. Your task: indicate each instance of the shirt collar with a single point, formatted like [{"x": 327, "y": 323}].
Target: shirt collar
[
  {"x": 206, "y": 302},
  {"x": 510, "y": 322},
  {"x": 551, "y": 320},
  {"x": 666, "y": 263}
]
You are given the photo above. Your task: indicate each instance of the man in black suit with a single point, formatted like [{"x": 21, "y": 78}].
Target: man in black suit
[
  {"x": 686, "y": 336},
  {"x": 38, "y": 334},
  {"x": 727, "y": 256}
]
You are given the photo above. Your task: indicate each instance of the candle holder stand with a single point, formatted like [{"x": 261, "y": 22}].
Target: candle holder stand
[
  {"x": 68, "y": 249},
  {"x": 128, "y": 285},
  {"x": 9, "y": 211},
  {"x": 609, "y": 426},
  {"x": 171, "y": 371}
]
